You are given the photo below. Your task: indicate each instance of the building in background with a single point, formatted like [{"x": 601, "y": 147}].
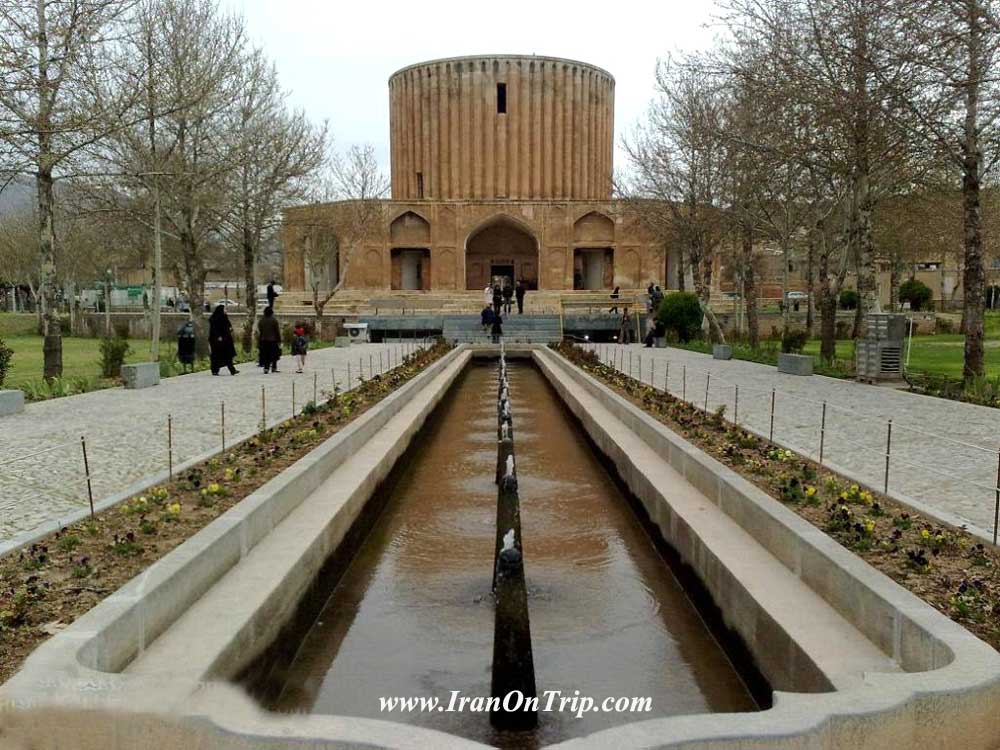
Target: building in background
[{"x": 501, "y": 169}]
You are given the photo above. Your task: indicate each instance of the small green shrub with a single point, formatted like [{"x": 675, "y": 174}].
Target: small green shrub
[
  {"x": 681, "y": 314},
  {"x": 794, "y": 340},
  {"x": 6, "y": 355},
  {"x": 40, "y": 390},
  {"x": 849, "y": 300},
  {"x": 916, "y": 292},
  {"x": 943, "y": 325},
  {"x": 113, "y": 353}
]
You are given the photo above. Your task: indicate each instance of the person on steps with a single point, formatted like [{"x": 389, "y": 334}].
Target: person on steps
[
  {"x": 519, "y": 295},
  {"x": 497, "y": 328}
]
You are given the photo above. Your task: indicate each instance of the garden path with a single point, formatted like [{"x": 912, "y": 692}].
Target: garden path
[
  {"x": 944, "y": 454},
  {"x": 42, "y": 481}
]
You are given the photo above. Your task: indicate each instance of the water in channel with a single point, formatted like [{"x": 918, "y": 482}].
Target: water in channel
[{"x": 413, "y": 615}]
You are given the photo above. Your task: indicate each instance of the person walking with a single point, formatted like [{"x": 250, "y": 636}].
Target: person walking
[
  {"x": 657, "y": 299},
  {"x": 615, "y": 296},
  {"x": 625, "y": 332},
  {"x": 272, "y": 295},
  {"x": 497, "y": 328},
  {"x": 269, "y": 341},
  {"x": 519, "y": 295},
  {"x": 508, "y": 295},
  {"x": 486, "y": 318},
  {"x": 649, "y": 298},
  {"x": 220, "y": 341},
  {"x": 497, "y": 299},
  {"x": 488, "y": 295},
  {"x": 300, "y": 346},
  {"x": 186, "y": 345}
]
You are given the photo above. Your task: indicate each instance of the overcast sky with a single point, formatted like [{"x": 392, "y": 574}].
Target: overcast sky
[{"x": 336, "y": 56}]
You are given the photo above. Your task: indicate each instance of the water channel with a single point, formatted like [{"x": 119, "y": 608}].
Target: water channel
[{"x": 412, "y": 614}]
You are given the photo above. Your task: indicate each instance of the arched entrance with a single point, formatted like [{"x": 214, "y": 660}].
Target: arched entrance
[{"x": 501, "y": 249}]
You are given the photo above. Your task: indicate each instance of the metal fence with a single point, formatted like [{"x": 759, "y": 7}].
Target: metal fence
[
  {"x": 888, "y": 455},
  {"x": 83, "y": 471}
]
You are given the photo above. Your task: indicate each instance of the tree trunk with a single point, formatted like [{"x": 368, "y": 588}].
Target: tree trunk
[
  {"x": 827, "y": 310},
  {"x": 810, "y": 287},
  {"x": 973, "y": 277},
  {"x": 154, "y": 342},
  {"x": 249, "y": 280},
  {"x": 750, "y": 288},
  {"x": 46, "y": 246}
]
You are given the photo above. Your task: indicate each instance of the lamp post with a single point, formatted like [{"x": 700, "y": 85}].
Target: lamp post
[{"x": 107, "y": 303}]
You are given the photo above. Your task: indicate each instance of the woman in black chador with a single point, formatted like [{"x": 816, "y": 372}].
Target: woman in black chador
[{"x": 220, "y": 341}]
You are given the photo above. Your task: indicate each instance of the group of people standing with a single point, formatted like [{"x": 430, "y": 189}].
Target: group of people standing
[
  {"x": 222, "y": 341},
  {"x": 497, "y": 300}
]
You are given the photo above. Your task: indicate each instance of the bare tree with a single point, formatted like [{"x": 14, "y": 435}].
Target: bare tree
[
  {"x": 952, "y": 49},
  {"x": 357, "y": 182},
  {"x": 678, "y": 158},
  {"x": 51, "y": 54},
  {"x": 280, "y": 151}
]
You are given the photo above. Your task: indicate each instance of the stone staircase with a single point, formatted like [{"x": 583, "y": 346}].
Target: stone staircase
[
  {"x": 351, "y": 302},
  {"x": 521, "y": 329}
]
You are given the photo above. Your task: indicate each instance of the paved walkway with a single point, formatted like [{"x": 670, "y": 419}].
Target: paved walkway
[
  {"x": 943, "y": 453},
  {"x": 41, "y": 461}
]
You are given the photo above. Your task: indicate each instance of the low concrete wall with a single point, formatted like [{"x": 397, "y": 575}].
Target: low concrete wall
[
  {"x": 111, "y": 635},
  {"x": 142, "y": 375},
  {"x": 11, "y": 402},
  {"x": 944, "y": 697}
]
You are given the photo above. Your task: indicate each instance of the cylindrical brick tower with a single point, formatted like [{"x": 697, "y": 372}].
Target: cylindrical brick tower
[{"x": 501, "y": 126}]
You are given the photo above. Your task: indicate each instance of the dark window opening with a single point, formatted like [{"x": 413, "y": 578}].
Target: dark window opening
[
  {"x": 501, "y": 98},
  {"x": 420, "y": 184}
]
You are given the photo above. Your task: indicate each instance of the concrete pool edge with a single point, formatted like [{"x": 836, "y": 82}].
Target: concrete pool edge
[
  {"x": 933, "y": 707},
  {"x": 110, "y": 635},
  {"x": 953, "y": 700}
]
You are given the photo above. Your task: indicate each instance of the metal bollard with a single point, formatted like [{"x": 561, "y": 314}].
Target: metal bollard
[
  {"x": 223, "y": 425},
  {"x": 770, "y": 437},
  {"x": 263, "y": 410},
  {"x": 170, "y": 448},
  {"x": 708, "y": 380},
  {"x": 888, "y": 451},
  {"x": 822, "y": 434},
  {"x": 86, "y": 471},
  {"x": 736, "y": 405},
  {"x": 996, "y": 509}
]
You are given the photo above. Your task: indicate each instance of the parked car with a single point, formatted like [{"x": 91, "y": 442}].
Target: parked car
[
  {"x": 797, "y": 296},
  {"x": 227, "y": 303}
]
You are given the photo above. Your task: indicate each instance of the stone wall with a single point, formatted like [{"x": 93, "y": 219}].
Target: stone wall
[{"x": 560, "y": 230}]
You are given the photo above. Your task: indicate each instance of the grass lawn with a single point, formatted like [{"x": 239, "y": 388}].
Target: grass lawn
[
  {"x": 81, "y": 358},
  {"x": 937, "y": 354}
]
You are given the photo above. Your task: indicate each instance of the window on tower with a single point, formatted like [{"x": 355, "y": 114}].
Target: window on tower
[
  {"x": 420, "y": 184},
  {"x": 501, "y": 98}
]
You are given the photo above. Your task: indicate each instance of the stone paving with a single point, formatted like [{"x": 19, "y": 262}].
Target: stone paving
[
  {"x": 41, "y": 461},
  {"x": 944, "y": 454}
]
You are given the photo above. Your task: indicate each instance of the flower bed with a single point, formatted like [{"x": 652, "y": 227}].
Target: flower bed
[
  {"x": 48, "y": 585},
  {"x": 948, "y": 568}
]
